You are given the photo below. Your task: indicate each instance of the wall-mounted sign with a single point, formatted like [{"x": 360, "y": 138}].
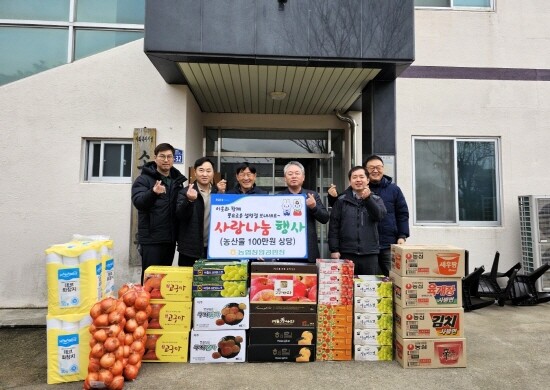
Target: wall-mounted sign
[{"x": 178, "y": 156}]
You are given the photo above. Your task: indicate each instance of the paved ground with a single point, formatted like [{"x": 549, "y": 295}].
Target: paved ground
[{"x": 508, "y": 348}]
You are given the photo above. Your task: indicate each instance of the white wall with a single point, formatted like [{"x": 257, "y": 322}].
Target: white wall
[
  {"x": 45, "y": 118},
  {"x": 518, "y": 112}
]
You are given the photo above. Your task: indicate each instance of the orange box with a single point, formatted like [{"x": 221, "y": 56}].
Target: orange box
[
  {"x": 330, "y": 321},
  {"x": 335, "y": 332},
  {"x": 335, "y": 309},
  {"x": 334, "y": 343},
  {"x": 428, "y": 260},
  {"x": 430, "y": 353},
  {"x": 334, "y": 354}
]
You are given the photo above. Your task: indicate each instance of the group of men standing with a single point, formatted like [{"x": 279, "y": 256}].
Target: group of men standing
[{"x": 366, "y": 218}]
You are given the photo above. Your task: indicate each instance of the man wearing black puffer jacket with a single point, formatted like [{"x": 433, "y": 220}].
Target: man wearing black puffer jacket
[
  {"x": 154, "y": 195},
  {"x": 352, "y": 233}
]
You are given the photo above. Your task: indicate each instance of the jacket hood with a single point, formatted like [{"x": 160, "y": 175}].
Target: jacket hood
[{"x": 386, "y": 181}]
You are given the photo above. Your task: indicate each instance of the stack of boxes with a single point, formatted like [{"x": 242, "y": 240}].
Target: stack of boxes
[
  {"x": 220, "y": 312},
  {"x": 76, "y": 281},
  {"x": 429, "y": 318},
  {"x": 335, "y": 310},
  {"x": 171, "y": 310},
  {"x": 283, "y": 305},
  {"x": 373, "y": 318}
]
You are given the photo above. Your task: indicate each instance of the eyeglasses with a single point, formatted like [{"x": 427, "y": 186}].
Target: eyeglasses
[
  {"x": 247, "y": 175},
  {"x": 167, "y": 158},
  {"x": 378, "y": 168}
]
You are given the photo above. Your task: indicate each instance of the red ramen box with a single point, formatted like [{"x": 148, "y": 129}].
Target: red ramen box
[
  {"x": 428, "y": 260},
  {"x": 430, "y": 353},
  {"x": 434, "y": 291},
  {"x": 416, "y": 322}
]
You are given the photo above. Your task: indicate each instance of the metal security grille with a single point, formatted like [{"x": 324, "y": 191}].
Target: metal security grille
[{"x": 534, "y": 215}]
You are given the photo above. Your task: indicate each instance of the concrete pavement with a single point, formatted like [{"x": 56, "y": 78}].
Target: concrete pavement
[{"x": 507, "y": 347}]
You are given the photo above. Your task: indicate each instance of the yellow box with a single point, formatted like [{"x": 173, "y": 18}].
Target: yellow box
[
  {"x": 68, "y": 347},
  {"x": 74, "y": 278},
  {"x": 170, "y": 315},
  {"x": 169, "y": 283},
  {"x": 162, "y": 346},
  {"x": 428, "y": 260},
  {"x": 430, "y": 353},
  {"x": 429, "y": 322}
]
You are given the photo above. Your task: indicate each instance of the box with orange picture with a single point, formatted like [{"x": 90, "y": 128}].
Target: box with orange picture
[
  {"x": 221, "y": 313},
  {"x": 433, "y": 291},
  {"x": 161, "y": 346},
  {"x": 414, "y": 322},
  {"x": 169, "y": 283},
  {"x": 218, "y": 346},
  {"x": 170, "y": 315},
  {"x": 430, "y": 353},
  {"x": 428, "y": 260}
]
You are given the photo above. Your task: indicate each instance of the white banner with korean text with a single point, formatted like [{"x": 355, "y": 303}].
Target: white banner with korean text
[{"x": 257, "y": 226}]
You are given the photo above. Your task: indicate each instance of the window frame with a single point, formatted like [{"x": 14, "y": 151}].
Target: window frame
[
  {"x": 89, "y": 160},
  {"x": 498, "y": 182},
  {"x": 458, "y": 8}
]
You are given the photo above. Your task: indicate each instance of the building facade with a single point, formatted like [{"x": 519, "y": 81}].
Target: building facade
[{"x": 456, "y": 101}]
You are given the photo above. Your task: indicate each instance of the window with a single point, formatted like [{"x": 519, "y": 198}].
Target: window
[
  {"x": 108, "y": 161},
  {"x": 456, "y": 4},
  {"x": 456, "y": 181},
  {"x": 36, "y": 35}
]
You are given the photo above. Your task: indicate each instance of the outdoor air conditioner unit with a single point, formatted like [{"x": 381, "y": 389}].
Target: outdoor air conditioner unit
[{"x": 534, "y": 219}]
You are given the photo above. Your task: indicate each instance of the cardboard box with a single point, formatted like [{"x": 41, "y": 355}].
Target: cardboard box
[
  {"x": 372, "y": 336},
  {"x": 228, "y": 288},
  {"x": 170, "y": 316},
  {"x": 373, "y": 321},
  {"x": 161, "y": 346},
  {"x": 335, "y": 309},
  {"x": 169, "y": 283},
  {"x": 431, "y": 291},
  {"x": 327, "y": 320},
  {"x": 430, "y": 353},
  {"x": 298, "y": 336},
  {"x": 260, "y": 353},
  {"x": 373, "y": 305},
  {"x": 372, "y": 286},
  {"x": 218, "y": 346},
  {"x": 335, "y": 299},
  {"x": 335, "y": 267},
  {"x": 335, "y": 332},
  {"x": 428, "y": 260},
  {"x": 283, "y": 320},
  {"x": 221, "y": 313},
  {"x": 373, "y": 353},
  {"x": 208, "y": 271},
  {"x": 334, "y": 354},
  {"x": 415, "y": 322},
  {"x": 345, "y": 280},
  {"x": 334, "y": 343},
  {"x": 283, "y": 287}
]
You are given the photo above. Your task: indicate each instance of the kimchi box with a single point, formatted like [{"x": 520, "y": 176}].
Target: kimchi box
[
  {"x": 430, "y": 353},
  {"x": 283, "y": 320},
  {"x": 217, "y": 346},
  {"x": 161, "y": 346},
  {"x": 170, "y": 316},
  {"x": 416, "y": 322},
  {"x": 298, "y": 336},
  {"x": 373, "y": 352},
  {"x": 260, "y": 353},
  {"x": 221, "y": 313},
  {"x": 428, "y": 260},
  {"x": 434, "y": 291},
  {"x": 169, "y": 283}
]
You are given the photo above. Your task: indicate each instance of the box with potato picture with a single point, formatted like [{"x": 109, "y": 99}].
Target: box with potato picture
[
  {"x": 169, "y": 283},
  {"x": 285, "y": 336},
  {"x": 217, "y": 346},
  {"x": 170, "y": 316},
  {"x": 221, "y": 313},
  {"x": 163, "y": 346},
  {"x": 263, "y": 353}
]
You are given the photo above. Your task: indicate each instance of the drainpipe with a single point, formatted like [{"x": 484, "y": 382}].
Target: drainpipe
[{"x": 353, "y": 136}]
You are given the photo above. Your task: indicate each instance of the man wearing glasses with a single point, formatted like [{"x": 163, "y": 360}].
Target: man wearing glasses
[
  {"x": 394, "y": 228},
  {"x": 154, "y": 195},
  {"x": 246, "y": 181}
]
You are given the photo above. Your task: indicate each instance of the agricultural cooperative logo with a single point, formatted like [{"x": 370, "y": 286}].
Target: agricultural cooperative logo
[
  {"x": 67, "y": 340},
  {"x": 68, "y": 273}
]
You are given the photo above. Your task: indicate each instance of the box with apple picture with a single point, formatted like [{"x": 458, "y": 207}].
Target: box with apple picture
[{"x": 283, "y": 287}]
